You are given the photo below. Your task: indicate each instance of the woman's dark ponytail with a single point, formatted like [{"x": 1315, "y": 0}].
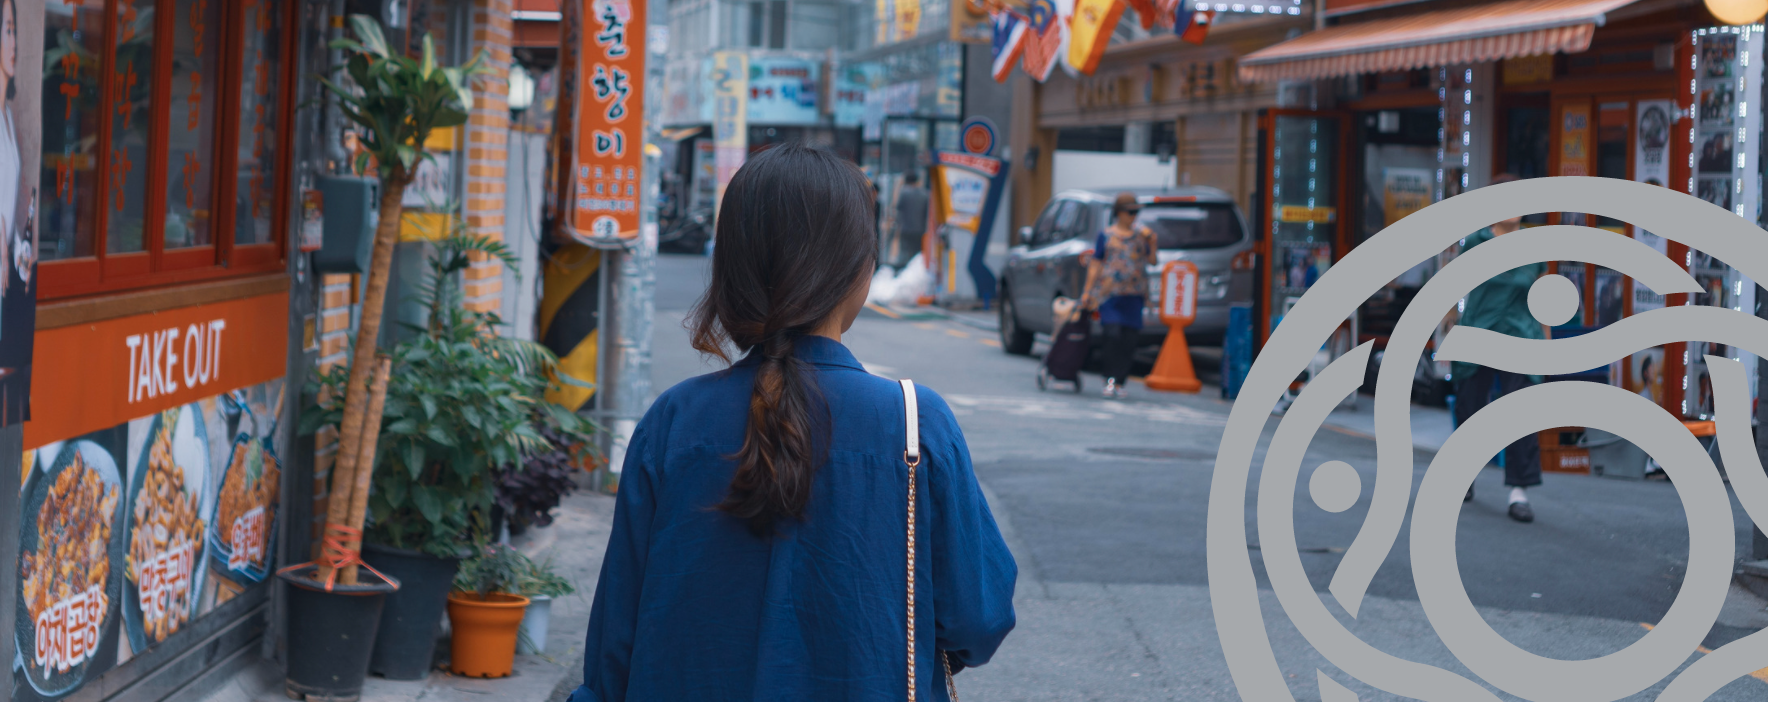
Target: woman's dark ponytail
[{"x": 794, "y": 236}]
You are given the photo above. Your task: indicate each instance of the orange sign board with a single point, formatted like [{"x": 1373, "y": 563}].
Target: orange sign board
[
  {"x": 610, "y": 122},
  {"x": 1178, "y": 293},
  {"x": 95, "y": 376}
]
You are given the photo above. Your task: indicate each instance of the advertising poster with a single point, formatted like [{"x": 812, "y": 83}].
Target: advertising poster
[
  {"x": 610, "y": 123},
  {"x": 783, "y": 90},
  {"x": 1574, "y": 140},
  {"x": 20, "y": 169},
  {"x": 967, "y": 191},
  {"x": 1404, "y": 191},
  {"x": 1651, "y": 159},
  {"x": 730, "y": 114},
  {"x": 153, "y": 501}
]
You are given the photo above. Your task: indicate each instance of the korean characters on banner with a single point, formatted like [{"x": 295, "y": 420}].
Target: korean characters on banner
[
  {"x": 132, "y": 529},
  {"x": 21, "y": 108},
  {"x": 730, "y": 114},
  {"x": 610, "y": 123}
]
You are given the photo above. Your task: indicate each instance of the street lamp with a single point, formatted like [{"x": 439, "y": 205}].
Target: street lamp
[{"x": 1738, "y": 11}]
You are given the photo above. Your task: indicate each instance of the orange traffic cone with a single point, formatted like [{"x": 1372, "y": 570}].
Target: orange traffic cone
[
  {"x": 1172, "y": 370},
  {"x": 1178, "y": 289}
]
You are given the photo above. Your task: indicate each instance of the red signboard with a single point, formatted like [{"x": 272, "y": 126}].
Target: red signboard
[{"x": 610, "y": 122}]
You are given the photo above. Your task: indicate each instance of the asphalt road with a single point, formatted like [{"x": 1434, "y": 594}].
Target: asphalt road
[{"x": 1104, "y": 504}]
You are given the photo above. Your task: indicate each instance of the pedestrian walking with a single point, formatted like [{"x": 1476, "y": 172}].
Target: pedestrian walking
[
  {"x": 1501, "y": 304},
  {"x": 911, "y": 218},
  {"x": 758, "y": 545},
  {"x": 1117, "y": 286}
]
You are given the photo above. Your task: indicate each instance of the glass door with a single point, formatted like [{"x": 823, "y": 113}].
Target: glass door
[{"x": 1301, "y": 229}]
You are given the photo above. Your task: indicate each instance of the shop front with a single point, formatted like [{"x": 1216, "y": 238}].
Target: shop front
[
  {"x": 1171, "y": 106},
  {"x": 152, "y": 173},
  {"x": 1411, "y": 104}
]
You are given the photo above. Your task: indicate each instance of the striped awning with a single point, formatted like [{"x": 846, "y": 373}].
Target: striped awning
[{"x": 1437, "y": 38}]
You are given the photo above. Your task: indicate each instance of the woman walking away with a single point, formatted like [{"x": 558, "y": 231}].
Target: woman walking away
[
  {"x": 1117, "y": 282},
  {"x": 768, "y": 541}
]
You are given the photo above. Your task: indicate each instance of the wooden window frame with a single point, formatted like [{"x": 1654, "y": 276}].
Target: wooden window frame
[{"x": 104, "y": 272}]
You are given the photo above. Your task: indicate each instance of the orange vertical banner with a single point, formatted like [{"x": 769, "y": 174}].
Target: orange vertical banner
[{"x": 610, "y": 122}]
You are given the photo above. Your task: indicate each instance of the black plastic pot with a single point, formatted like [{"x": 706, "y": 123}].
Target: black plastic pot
[
  {"x": 412, "y": 619},
  {"x": 330, "y": 633}
]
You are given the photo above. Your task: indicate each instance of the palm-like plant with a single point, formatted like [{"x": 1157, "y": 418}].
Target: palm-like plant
[{"x": 397, "y": 100}]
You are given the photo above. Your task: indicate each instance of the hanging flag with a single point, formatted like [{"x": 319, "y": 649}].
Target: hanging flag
[
  {"x": 1093, "y": 23},
  {"x": 1065, "y": 23},
  {"x": 1009, "y": 43},
  {"x": 1166, "y": 12},
  {"x": 1043, "y": 39},
  {"x": 1145, "y": 12},
  {"x": 1197, "y": 26},
  {"x": 1043, "y": 50}
]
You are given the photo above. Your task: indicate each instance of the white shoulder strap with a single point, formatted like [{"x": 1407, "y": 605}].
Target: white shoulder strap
[{"x": 911, "y": 413}]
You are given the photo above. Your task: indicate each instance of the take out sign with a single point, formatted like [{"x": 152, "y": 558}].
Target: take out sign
[{"x": 95, "y": 376}]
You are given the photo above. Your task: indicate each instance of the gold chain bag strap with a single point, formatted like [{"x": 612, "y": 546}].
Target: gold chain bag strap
[{"x": 911, "y": 456}]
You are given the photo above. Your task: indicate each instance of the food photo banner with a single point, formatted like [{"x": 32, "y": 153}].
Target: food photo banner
[{"x": 149, "y": 491}]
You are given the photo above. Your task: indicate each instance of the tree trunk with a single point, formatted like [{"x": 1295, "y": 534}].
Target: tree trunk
[
  {"x": 368, "y": 333},
  {"x": 371, "y": 435}
]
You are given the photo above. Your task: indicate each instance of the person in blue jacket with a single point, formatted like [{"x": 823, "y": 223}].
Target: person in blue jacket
[{"x": 759, "y": 545}]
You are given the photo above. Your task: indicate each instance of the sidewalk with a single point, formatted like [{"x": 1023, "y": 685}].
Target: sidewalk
[{"x": 574, "y": 542}]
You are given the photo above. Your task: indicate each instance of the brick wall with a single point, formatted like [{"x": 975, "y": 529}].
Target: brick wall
[
  {"x": 337, "y": 303},
  {"x": 488, "y": 148}
]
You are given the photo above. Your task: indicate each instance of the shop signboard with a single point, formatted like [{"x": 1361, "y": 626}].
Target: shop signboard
[
  {"x": 967, "y": 191},
  {"x": 20, "y": 146},
  {"x": 149, "y": 493},
  {"x": 970, "y": 23},
  {"x": 610, "y": 123},
  {"x": 1404, "y": 191},
  {"x": 730, "y": 113},
  {"x": 783, "y": 90},
  {"x": 855, "y": 85},
  {"x": 686, "y": 85}
]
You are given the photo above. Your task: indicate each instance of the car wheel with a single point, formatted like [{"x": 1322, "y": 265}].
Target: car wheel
[{"x": 1015, "y": 339}]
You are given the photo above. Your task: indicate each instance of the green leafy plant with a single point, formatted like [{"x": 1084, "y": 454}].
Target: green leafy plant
[
  {"x": 497, "y": 568},
  {"x": 397, "y": 101},
  {"x": 541, "y": 580},
  {"x": 461, "y": 405}
]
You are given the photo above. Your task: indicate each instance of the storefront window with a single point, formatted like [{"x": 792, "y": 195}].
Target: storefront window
[
  {"x": 68, "y": 194},
  {"x": 131, "y": 125},
  {"x": 190, "y": 150},
  {"x": 135, "y": 115},
  {"x": 257, "y": 125}
]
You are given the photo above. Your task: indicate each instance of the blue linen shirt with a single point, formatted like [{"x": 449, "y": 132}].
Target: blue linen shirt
[{"x": 692, "y": 606}]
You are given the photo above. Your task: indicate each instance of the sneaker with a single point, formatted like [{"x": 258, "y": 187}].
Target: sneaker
[
  {"x": 1111, "y": 389},
  {"x": 1520, "y": 511}
]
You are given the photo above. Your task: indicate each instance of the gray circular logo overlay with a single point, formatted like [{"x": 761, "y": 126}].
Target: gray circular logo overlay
[{"x": 1334, "y": 486}]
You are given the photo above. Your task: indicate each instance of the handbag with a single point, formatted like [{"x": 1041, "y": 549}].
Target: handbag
[{"x": 911, "y": 456}]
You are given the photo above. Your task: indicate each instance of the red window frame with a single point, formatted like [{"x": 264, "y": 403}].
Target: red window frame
[{"x": 104, "y": 272}]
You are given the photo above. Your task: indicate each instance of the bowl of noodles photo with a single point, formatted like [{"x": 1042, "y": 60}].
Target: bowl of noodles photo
[
  {"x": 71, "y": 536},
  {"x": 169, "y": 504}
]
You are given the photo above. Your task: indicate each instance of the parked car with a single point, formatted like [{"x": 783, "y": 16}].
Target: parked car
[{"x": 1197, "y": 224}]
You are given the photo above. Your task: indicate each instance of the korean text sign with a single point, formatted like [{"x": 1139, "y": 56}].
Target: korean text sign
[{"x": 610, "y": 122}]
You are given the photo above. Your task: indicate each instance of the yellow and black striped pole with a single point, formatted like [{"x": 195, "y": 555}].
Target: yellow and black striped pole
[{"x": 570, "y": 309}]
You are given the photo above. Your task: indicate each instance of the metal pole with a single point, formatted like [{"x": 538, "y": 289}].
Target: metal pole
[{"x": 634, "y": 270}]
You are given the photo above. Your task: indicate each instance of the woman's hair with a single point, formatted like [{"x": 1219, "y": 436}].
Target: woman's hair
[{"x": 794, "y": 236}]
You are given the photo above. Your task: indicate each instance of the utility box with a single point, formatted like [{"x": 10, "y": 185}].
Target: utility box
[{"x": 351, "y": 210}]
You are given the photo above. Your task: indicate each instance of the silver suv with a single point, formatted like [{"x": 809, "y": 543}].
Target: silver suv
[{"x": 1198, "y": 224}]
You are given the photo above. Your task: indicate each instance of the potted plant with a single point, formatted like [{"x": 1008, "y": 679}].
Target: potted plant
[
  {"x": 528, "y": 492},
  {"x": 486, "y": 613},
  {"x": 460, "y": 404},
  {"x": 397, "y": 101},
  {"x": 540, "y": 584}
]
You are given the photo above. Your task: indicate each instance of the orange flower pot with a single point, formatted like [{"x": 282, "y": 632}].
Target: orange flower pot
[{"x": 485, "y": 630}]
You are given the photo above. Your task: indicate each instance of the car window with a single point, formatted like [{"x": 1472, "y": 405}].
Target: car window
[
  {"x": 1083, "y": 224},
  {"x": 1065, "y": 220},
  {"x": 1192, "y": 226},
  {"x": 1046, "y": 222}
]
